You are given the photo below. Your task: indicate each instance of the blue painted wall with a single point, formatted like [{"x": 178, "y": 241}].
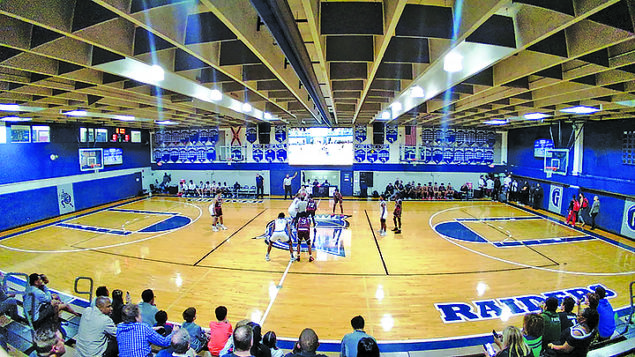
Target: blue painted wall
[
  {"x": 98, "y": 192},
  {"x": 602, "y": 168},
  {"x": 26, "y": 207}
]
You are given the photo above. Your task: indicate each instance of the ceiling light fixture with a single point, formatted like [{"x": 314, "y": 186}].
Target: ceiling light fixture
[
  {"x": 396, "y": 106},
  {"x": 496, "y": 122},
  {"x": 215, "y": 95},
  {"x": 9, "y": 107},
  {"x": 453, "y": 62},
  {"x": 124, "y": 117},
  {"x": 246, "y": 107},
  {"x": 156, "y": 73},
  {"x": 268, "y": 116},
  {"x": 77, "y": 113},
  {"x": 385, "y": 115},
  {"x": 14, "y": 119},
  {"x": 580, "y": 109},
  {"x": 166, "y": 122},
  {"x": 536, "y": 116},
  {"x": 417, "y": 92}
]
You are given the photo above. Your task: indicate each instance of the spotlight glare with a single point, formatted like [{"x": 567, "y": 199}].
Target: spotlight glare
[
  {"x": 396, "y": 106},
  {"x": 124, "y": 117},
  {"x": 14, "y": 119},
  {"x": 496, "y": 122},
  {"x": 453, "y": 62},
  {"x": 156, "y": 73},
  {"x": 246, "y": 107},
  {"x": 417, "y": 92},
  {"x": 9, "y": 107},
  {"x": 385, "y": 115},
  {"x": 165, "y": 122},
  {"x": 535, "y": 116},
  {"x": 268, "y": 116},
  {"x": 215, "y": 95},
  {"x": 77, "y": 113}
]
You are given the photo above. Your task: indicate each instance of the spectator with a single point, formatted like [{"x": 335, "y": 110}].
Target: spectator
[
  {"x": 367, "y": 347},
  {"x": 576, "y": 340},
  {"x": 48, "y": 341},
  {"x": 260, "y": 186},
  {"x": 163, "y": 327},
  {"x": 270, "y": 340},
  {"x": 595, "y": 210},
  {"x": 219, "y": 331},
  {"x": 567, "y": 317},
  {"x": 38, "y": 302},
  {"x": 350, "y": 340},
  {"x": 117, "y": 305},
  {"x": 533, "y": 327},
  {"x": 552, "y": 321},
  {"x": 242, "y": 339},
  {"x": 606, "y": 325},
  {"x": 147, "y": 308},
  {"x": 584, "y": 208},
  {"x": 179, "y": 346},
  {"x": 8, "y": 304},
  {"x": 100, "y": 291},
  {"x": 229, "y": 345},
  {"x": 97, "y": 331},
  {"x": 309, "y": 343},
  {"x": 198, "y": 337},
  {"x": 257, "y": 348},
  {"x": 538, "y": 195},
  {"x": 513, "y": 344},
  {"x": 134, "y": 337}
]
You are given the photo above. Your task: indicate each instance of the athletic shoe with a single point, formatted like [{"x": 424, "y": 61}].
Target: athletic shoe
[
  {"x": 267, "y": 257},
  {"x": 222, "y": 226},
  {"x": 311, "y": 259},
  {"x": 214, "y": 229},
  {"x": 395, "y": 229},
  {"x": 382, "y": 233},
  {"x": 297, "y": 259},
  {"x": 398, "y": 231}
]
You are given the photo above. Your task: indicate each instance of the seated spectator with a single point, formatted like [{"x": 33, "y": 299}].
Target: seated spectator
[
  {"x": 134, "y": 337},
  {"x": 191, "y": 188},
  {"x": 533, "y": 327},
  {"x": 8, "y": 304},
  {"x": 117, "y": 305},
  {"x": 512, "y": 344},
  {"x": 97, "y": 331},
  {"x": 182, "y": 188},
  {"x": 257, "y": 348},
  {"x": 179, "y": 346},
  {"x": 199, "y": 188},
  {"x": 164, "y": 328},
  {"x": 147, "y": 308},
  {"x": 567, "y": 317},
  {"x": 229, "y": 345},
  {"x": 367, "y": 347},
  {"x": 575, "y": 340},
  {"x": 349, "y": 341},
  {"x": 309, "y": 343},
  {"x": 38, "y": 302},
  {"x": 100, "y": 291},
  {"x": 219, "y": 331},
  {"x": 242, "y": 338},
  {"x": 552, "y": 321},
  {"x": 606, "y": 325},
  {"x": 48, "y": 341},
  {"x": 198, "y": 337},
  {"x": 270, "y": 340}
]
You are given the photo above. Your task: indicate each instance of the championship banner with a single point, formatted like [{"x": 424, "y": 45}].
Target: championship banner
[
  {"x": 383, "y": 153},
  {"x": 237, "y": 153},
  {"x": 439, "y": 136},
  {"x": 391, "y": 133},
  {"x": 425, "y": 154},
  {"x": 257, "y": 153},
  {"x": 448, "y": 155},
  {"x": 628, "y": 219},
  {"x": 281, "y": 133},
  {"x": 459, "y": 135},
  {"x": 481, "y": 138},
  {"x": 281, "y": 153},
  {"x": 270, "y": 153},
  {"x": 468, "y": 155},
  {"x": 194, "y": 136},
  {"x": 65, "y": 198},
  {"x": 157, "y": 155},
  {"x": 372, "y": 155},
  {"x": 491, "y": 139},
  {"x": 470, "y": 137},
  {"x": 251, "y": 134},
  {"x": 555, "y": 199},
  {"x": 360, "y": 133},
  {"x": 410, "y": 153},
  {"x": 459, "y": 157},
  {"x": 488, "y": 156},
  {"x": 437, "y": 155},
  {"x": 191, "y": 155},
  {"x": 210, "y": 153},
  {"x": 477, "y": 159},
  {"x": 360, "y": 153},
  {"x": 450, "y": 137},
  {"x": 184, "y": 137},
  {"x": 427, "y": 136},
  {"x": 201, "y": 153},
  {"x": 174, "y": 155},
  {"x": 203, "y": 136},
  {"x": 213, "y": 134}
]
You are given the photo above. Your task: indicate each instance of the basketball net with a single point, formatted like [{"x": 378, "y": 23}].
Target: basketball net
[{"x": 229, "y": 161}]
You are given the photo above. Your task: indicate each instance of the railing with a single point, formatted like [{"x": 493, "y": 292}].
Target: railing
[
  {"x": 90, "y": 289},
  {"x": 630, "y": 315}
]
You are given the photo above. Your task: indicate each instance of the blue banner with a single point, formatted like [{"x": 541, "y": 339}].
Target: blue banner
[
  {"x": 281, "y": 154},
  {"x": 174, "y": 155},
  {"x": 391, "y": 133},
  {"x": 360, "y": 133},
  {"x": 468, "y": 156},
  {"x": 211, "y": 153},
  {"x": 213, "y": 135},
  {"x": 157, "y": 155},
  {"x": 270, "y": 154},
  {"x": 439, "y": 136},
  {"x": 491, "y": 139},
  {"x": 488, "y": 156},
  {"x": 425, "y": 154},
  {"x": 237, "y": 154},
  {"x": 191, "y": 155},
  {"x": 201, "y": 153},
  {"x": 448, "y": 155},
  {"x": 372, "y": 155},
  {"x": 481, "y": 138},
  {"x": 257, "y": 154},
  {"x": 281, "y": 133},
  {"x": 383, "y": 155},
  {"x": 410, "y": 153},
  {"x": 470, "y": 137},
  {"x": 203, "y": 136},
  {"x": 459, "y": 137},
  {"x": 251, "y": 134},
  {"x": 459, "y": 157},
  {"x": 360, "y": 153},
  {"x": 437, "y": 155},
  {"x": 450, "y": 136},
  {"x": 478, "y": 157},
  {"x": 427, "y": 136}
]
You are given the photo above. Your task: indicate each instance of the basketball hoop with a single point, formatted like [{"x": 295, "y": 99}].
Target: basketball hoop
[{"x": 549, "y": 173}]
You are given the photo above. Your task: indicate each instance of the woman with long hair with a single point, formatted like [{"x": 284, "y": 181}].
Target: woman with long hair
[
  {"x": 513, "y": 344},
  {"x": 578, "y": 338}
]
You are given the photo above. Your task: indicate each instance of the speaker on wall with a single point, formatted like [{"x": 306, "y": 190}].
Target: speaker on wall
[
  {"x": 378, "y": 133},
  {"x": 264, "y": 133},
  {"x": 408, "y": 130}
]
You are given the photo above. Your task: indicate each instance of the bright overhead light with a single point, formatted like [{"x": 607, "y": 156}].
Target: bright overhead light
[
  {"x": 14, "y": 118},
  {"x": 536, "y": 116},
  {"x": 268, "y": 116},
  {"x": 580, "y": 109},
  {"x": 124, "y": 117},
  {"x": 385, "y": 115},
  {"x": 246, "y": 107},
  {"x": 453, "y": 62},
  {"x": 417, "y": 92},
  {"x": 77, "y": 113},
  {"x": 396, "y": 106},
  {"x": 166, "y": 122},
  {"x": 215, "y": 95},
  {"x": 9, "y": 107},
  {"x": 156, "y": 73},
  {"x": 496, "y": 122}
]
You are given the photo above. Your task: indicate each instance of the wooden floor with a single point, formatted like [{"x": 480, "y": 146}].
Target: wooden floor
[{"x": 393, "y": 281}]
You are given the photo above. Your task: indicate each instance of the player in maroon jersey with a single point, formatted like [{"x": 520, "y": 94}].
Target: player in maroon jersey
[
  {"x": 337, "y": 198},
  {"x": 303, "y": 227},
  {"x": 216, "y": 210}
]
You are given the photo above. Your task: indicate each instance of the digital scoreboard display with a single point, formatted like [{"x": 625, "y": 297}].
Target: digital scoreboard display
[{"x": 321, "y": 146}]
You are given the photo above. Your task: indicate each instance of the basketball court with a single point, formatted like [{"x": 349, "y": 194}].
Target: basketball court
[{"x": 458, "y": 270}]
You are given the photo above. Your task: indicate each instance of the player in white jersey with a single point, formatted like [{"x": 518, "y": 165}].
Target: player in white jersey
[
  {"x": 280, "y": 233},
  {"x": 383, "y": 215},
  {"x": 293, "y": 208}
]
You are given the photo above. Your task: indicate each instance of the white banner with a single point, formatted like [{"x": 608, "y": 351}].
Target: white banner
[
  {"x": 628, "y": 219},
  {"x": 65, "y": 198},
  {"x": 555, "y": 199}
]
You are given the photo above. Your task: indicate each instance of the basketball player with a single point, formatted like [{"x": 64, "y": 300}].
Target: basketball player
[
  {"x": 337, "y": 198},
  {"x": 280, "y": 234},
  {"x": 396, "y": 215},
  {"x": 311, "y": 208},
  {"x": 216, "y": 211},
  {"x": 383, "y": 214},
  {"x": 303, "y": 228},
  {"x": 293, "y": 208}
]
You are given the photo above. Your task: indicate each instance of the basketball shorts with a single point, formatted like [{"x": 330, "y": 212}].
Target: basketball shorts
[
  {"x": 279, "y": 237},
  {"x": 304, "y": 236},
  {"x": 218, "y": 212}
]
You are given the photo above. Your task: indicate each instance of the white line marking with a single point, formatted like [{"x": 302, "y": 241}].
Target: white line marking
[{"x": 273, "y": 299}]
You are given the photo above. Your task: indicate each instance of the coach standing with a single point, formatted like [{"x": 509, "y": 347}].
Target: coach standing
[
  {"x": 260, "y": 186},
  {"x": 287, "y": 185}
]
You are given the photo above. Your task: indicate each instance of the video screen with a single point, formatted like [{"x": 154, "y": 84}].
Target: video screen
[{"x": 321, "y": 146}]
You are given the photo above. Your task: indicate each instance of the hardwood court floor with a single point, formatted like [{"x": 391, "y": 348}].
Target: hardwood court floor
[{"x": 487, "y": 251}]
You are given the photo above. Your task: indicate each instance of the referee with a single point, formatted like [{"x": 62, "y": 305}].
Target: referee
[{"x": 287, "y": 185}]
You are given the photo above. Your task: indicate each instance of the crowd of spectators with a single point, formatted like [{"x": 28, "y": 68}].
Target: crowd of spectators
[{"x": 436, "y": 191}]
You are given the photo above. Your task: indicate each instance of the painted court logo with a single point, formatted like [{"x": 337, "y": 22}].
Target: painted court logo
[
  {"x": 327, "y": 237},
  {"x": 508, "y": 306}
]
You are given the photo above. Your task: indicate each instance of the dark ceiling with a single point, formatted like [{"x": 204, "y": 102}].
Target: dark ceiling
[{"x": 308, "y": 62}]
